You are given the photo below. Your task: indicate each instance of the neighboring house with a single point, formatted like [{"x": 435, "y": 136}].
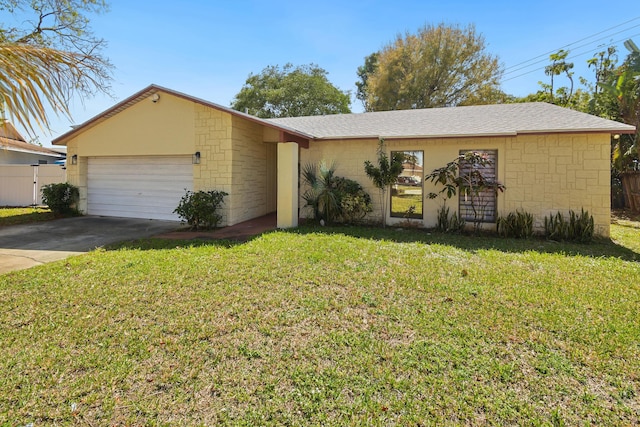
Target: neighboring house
[
  {"x": 137, "y": 158},
  {"x": 25, "y": 168},
  {"x": 15, "y": 150}
]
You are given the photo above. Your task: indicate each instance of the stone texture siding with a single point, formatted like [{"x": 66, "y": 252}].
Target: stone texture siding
[
  {"x": 543, "y": 173},
  {"x": 234, "y": 159}
]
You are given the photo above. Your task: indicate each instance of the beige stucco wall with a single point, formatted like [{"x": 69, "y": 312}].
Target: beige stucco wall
[
  {"x": 145, "y": 128},
  {"x": 542, "y": 173},
  {"x": 288, "y": 158},
  {"x": 234, "y": 157}
]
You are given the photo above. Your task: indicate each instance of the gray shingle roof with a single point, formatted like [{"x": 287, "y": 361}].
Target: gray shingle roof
[{"x": 481, "y": 120}]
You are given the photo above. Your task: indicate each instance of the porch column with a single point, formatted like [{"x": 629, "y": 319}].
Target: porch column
[{"x": 287, "y": 185}]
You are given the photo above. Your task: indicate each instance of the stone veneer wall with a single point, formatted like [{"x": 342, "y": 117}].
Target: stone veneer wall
[
  {"x": 235, "y": 159},
  {"x": 560, "y": 172},
  {"x": 254, "y": 165},
  {"x": 543, "y": 174}
]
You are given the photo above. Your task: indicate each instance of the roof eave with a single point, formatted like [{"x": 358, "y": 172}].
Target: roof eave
[
  {"x": 625, "y": 130},
  {"x": 38, "y": 153}
]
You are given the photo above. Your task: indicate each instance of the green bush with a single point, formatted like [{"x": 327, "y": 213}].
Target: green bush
[
  {"x": 334, "y": 199},
  {"x": 449, "y": 223},
  {"x": 200, "y": 209},
  {"x": 61, "y": 198},
  {"x": 516, "y": 224},
  {"x": 355, "y": 203},
  {"x": 578, "y": 228}
]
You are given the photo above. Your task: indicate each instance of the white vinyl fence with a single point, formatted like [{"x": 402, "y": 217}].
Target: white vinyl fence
[{"x": 20, "y": 184}]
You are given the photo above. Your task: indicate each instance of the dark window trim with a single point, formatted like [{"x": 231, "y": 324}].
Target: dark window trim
[{"x": 405, "y": 215}]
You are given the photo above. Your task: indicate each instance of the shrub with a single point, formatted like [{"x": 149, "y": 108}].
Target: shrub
[
  {"x": 578, "y": 228},
  {"x": 355, "y": 203},
  {"x": 581, "y": 226},
  {"x": 62, "y": 198},
  {"x": 200, "y": 209},
  {"x": 449, "y": 223},
  {"x": 333, "y": 198},
  {"x": 516, "y": 224}
]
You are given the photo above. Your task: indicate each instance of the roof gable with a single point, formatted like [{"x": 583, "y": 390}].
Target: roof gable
[{"x": 153, "y": 90}]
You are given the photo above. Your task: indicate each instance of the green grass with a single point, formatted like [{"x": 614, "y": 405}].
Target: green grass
[
  {"x": 14, "y": 216},
  {"x": 327, "y": 326},
  {"x": 400, "y": 204}
]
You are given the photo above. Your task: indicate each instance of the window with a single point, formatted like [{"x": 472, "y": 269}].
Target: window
[
  {"x": 406, "y": 193},
  {"x": 478, "y": 194}
]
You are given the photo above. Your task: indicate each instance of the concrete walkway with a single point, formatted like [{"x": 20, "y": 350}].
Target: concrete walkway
[{"x": 28, "y": 245}]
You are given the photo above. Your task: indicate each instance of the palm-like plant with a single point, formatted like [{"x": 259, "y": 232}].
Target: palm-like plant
[
  {"x": 321, "y": 195},
  {"x": 33, "y": 76}
]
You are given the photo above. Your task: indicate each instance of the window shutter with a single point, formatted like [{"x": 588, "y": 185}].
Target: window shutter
[{"x": 485, "y": 201}]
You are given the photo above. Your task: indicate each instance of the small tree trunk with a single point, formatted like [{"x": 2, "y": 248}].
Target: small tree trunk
[{"x": 383, "y": 207}]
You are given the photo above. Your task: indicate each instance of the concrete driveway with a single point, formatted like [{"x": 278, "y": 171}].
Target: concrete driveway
[{"x": 25, "y": 246}]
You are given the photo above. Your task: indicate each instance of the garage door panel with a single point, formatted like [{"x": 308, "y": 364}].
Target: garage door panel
[
  {"x": 133, "y": 201},
  {"x": 131, "y": 185},
  {"x": 138, "y": 187},
  {"x": 132, "y": 172},
  {"x": 129, "y": 175}
]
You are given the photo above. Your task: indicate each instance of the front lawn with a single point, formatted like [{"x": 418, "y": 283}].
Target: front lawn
[{"x": 327, "y": 326}]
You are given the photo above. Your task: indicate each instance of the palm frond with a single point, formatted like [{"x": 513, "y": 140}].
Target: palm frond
[{"x": 33, "y": 76}]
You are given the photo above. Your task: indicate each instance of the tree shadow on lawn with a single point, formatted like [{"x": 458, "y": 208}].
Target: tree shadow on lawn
[
  {"x": 27, "y": 218},
  {"x": 152, "y": 244},
  {"x": 598, "y": 248}
]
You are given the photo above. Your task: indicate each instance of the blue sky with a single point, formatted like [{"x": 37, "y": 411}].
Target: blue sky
[{"x": 208, "y": 48}]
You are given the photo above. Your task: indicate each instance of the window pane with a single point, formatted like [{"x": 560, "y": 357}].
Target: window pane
[{"x": 406, "y": 193}]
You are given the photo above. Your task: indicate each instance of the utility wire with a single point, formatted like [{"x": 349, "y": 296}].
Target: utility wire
[
  {"x": 544, "y": 55},
  {"x": 577, "y": 47},
  {"x": 569, "y": 57}
]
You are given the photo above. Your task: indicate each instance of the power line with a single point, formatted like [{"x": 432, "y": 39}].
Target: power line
[
  {"x": 544, "y": 55},
  {"x": 569, "y": 57},
  {"x": 578, "y": 47}
]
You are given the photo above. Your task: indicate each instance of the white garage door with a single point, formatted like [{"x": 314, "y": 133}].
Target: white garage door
[{"x": 138, "y": 187}]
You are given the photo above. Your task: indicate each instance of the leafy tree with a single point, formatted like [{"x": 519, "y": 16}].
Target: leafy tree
[
  {"x": 364, "y": 71},
  {"x": 384, "y": 174},
  {"x": 439, "y": 66},
  {"x": 559, "y": 66},
  {"x": 51, "y": 58},
  {"x": 291, "y": 92},
  {"x": 624, "y": 85},
  {"x": 564, "y": 96}
]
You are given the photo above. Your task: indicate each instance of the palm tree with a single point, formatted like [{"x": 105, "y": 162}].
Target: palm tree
[{"x": 33, "y": 76}]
